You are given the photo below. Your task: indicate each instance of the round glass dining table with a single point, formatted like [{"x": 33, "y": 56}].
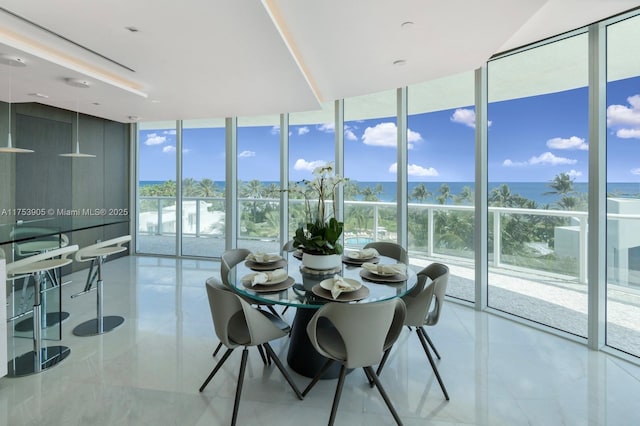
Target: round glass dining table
[{"x": 301, "y": 292}]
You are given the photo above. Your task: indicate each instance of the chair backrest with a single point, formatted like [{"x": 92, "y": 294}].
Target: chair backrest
[
  {"x": 390, "y": 249},
  {"x": 440, "y": 279},
  {"x": 229, "y": 259},
  {"x": 287, "y": 247},
  {"x": 429, "y": 290},
  {"x": 365, "y": 330},
  {"x": 237, "y": 323}
]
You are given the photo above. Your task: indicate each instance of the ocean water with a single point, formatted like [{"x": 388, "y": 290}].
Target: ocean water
[{"x": 530, "y": 190}]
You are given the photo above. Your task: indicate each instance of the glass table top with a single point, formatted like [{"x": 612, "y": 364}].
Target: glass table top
[{"x": 300, "y": 291}]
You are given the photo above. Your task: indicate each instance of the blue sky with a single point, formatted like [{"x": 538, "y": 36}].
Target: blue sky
[{"x": 530, "y": 140}]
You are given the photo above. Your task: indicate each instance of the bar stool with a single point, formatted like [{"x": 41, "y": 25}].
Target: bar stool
[
  {"x": 30, "y": 248},
  {"x": 40, "y": 358},
  {"x": 97, "y": 253}
]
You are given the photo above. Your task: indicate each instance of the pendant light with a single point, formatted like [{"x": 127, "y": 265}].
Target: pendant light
[
  {"x": 77, "y": 153},
  {"x": 10, "y": 147}
]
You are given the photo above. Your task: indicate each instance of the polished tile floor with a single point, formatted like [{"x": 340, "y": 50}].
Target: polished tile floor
[{"x": 148, "y": 371}]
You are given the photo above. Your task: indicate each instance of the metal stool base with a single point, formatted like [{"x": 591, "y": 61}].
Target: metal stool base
[
  {"x": 53, "y": 318},
  {"x": 90, "y": 328},
  {"x": 25, "y": 364}
]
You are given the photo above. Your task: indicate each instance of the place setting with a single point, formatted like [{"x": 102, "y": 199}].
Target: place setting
[
  {"x": 384, "y": 273},
  {"x": 268, "y": 281},
  {"x": 339, "y": 289},
  {"x": 358, "y": 257},
  {"x": 264, "y": 261}
]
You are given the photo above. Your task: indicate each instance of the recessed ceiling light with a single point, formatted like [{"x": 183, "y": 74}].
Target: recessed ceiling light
[
  {"x": 400, "y": 62},
  {"x": 406, "y": 24},
  {"x": 39, "y": 95},
  {"x": 76, "y": 82},
  {"x": 95, "y": 103},
  {"x": 132, "y": 29},
  {"x": 14, "y": 61},
  {"x": 133, "y": 118}
]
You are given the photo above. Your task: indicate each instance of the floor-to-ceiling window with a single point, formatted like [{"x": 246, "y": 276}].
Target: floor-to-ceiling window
[
  {"x": 538, "y": 176},
  {"x": 259, "y": 183},
  {"x": 623, "y": 186},
  {"x": 156, "y": 221},
  {"x": 203, "y": 185},
  {"x": 311, "y": 144},
  {"x": 370, "y": 153},
  {"x": 441, "y": 160}
]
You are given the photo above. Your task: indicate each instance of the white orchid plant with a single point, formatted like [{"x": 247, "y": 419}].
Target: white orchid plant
[{"x": 321, "y": 232}]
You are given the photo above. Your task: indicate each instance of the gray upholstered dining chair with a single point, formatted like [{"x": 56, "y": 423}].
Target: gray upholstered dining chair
[
  {"x": 390, "y": 249},
  {"x": 429, "y": 291},
  {"x": 231, "y": 258},
  {"x": 236, "y": 324},
  {"x": 358, "y": 337}
]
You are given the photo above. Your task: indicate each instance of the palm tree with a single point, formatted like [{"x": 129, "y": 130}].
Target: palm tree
[
  {"x": 501, "y": 196},
  {"x": 189, "y": 187},
  {"x": 445, "y": 194},
  {"x": 466, "y": 196},
  {"x": 350, "y": 190},
  {"x": 206, "y": 188},
  {"x": 562, "y": 184},
  {"x": 420, "y": 193}
]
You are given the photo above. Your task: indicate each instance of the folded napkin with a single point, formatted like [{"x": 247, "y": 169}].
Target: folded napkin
[
  {"x": 367, "y": 253},
  {"x": 340, "y": 285},
  {"x": 261, "y": 257},
  {"x": 380, "y": 269},
  {"x": 276, "y": 276}
]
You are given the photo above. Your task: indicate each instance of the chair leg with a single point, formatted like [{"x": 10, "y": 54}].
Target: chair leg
[
  {"x": 217, "y": 349},
  {"x": 433, "y": 364},
  {"x": 236, "y": 403},
  {"x": 273, "y": 310},
  {"x": 284, "y": 311},
  {"x": 315, "y": 380},
  {"x": 336, "y": 398},
  {"x": 384, "y": 395},
  {"x": 264, "y": 359},
  {"x": 284, "y": 372},
  {"x": 383, "y": 361},
  {"x": 426, "y": 336},
  {"x": 216, "y": 368}
]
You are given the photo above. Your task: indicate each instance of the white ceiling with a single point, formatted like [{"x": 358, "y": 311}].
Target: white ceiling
[{"x": 195, "y": 59}]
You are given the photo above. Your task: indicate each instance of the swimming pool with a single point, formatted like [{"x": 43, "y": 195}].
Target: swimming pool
[{"x": 358, "y": 240}]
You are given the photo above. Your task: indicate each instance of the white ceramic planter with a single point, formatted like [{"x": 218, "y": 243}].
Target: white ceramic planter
[{"x": 321, "y": 262}]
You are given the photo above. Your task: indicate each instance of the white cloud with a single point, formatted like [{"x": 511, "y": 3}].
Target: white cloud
[
  {"x": 542, "y": 159},
  {"x": 349, "y": 135},
  {"x": 246, "y": 154},
  {"x": 327, "y": 127},
  {"x": 386, "y": 134},
  {"x": 574, "y": 173},
  {"x": 509, "y": 163},
  {"x": 303, "y": 130},
  {"x": 169, "y": 148},
  {"x": 302, "y": 164},
  {"x": 635, "y": 171},
  {"x": 628, "y": 133},
  {"x": 415, "y": 170},
  {"x": 549, "y": 158},
  {"x": 169, "y": 132},
  {"x": 465, "y": 116},
  {"x": 275, "y": 130},
  {"x": 154, "y": 139},
  {"x": 573, "y": 142},
  {"x": 626, "y": 118}
]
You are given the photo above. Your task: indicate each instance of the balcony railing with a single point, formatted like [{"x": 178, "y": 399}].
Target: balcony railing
[{"x": 157, "y": 217}]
